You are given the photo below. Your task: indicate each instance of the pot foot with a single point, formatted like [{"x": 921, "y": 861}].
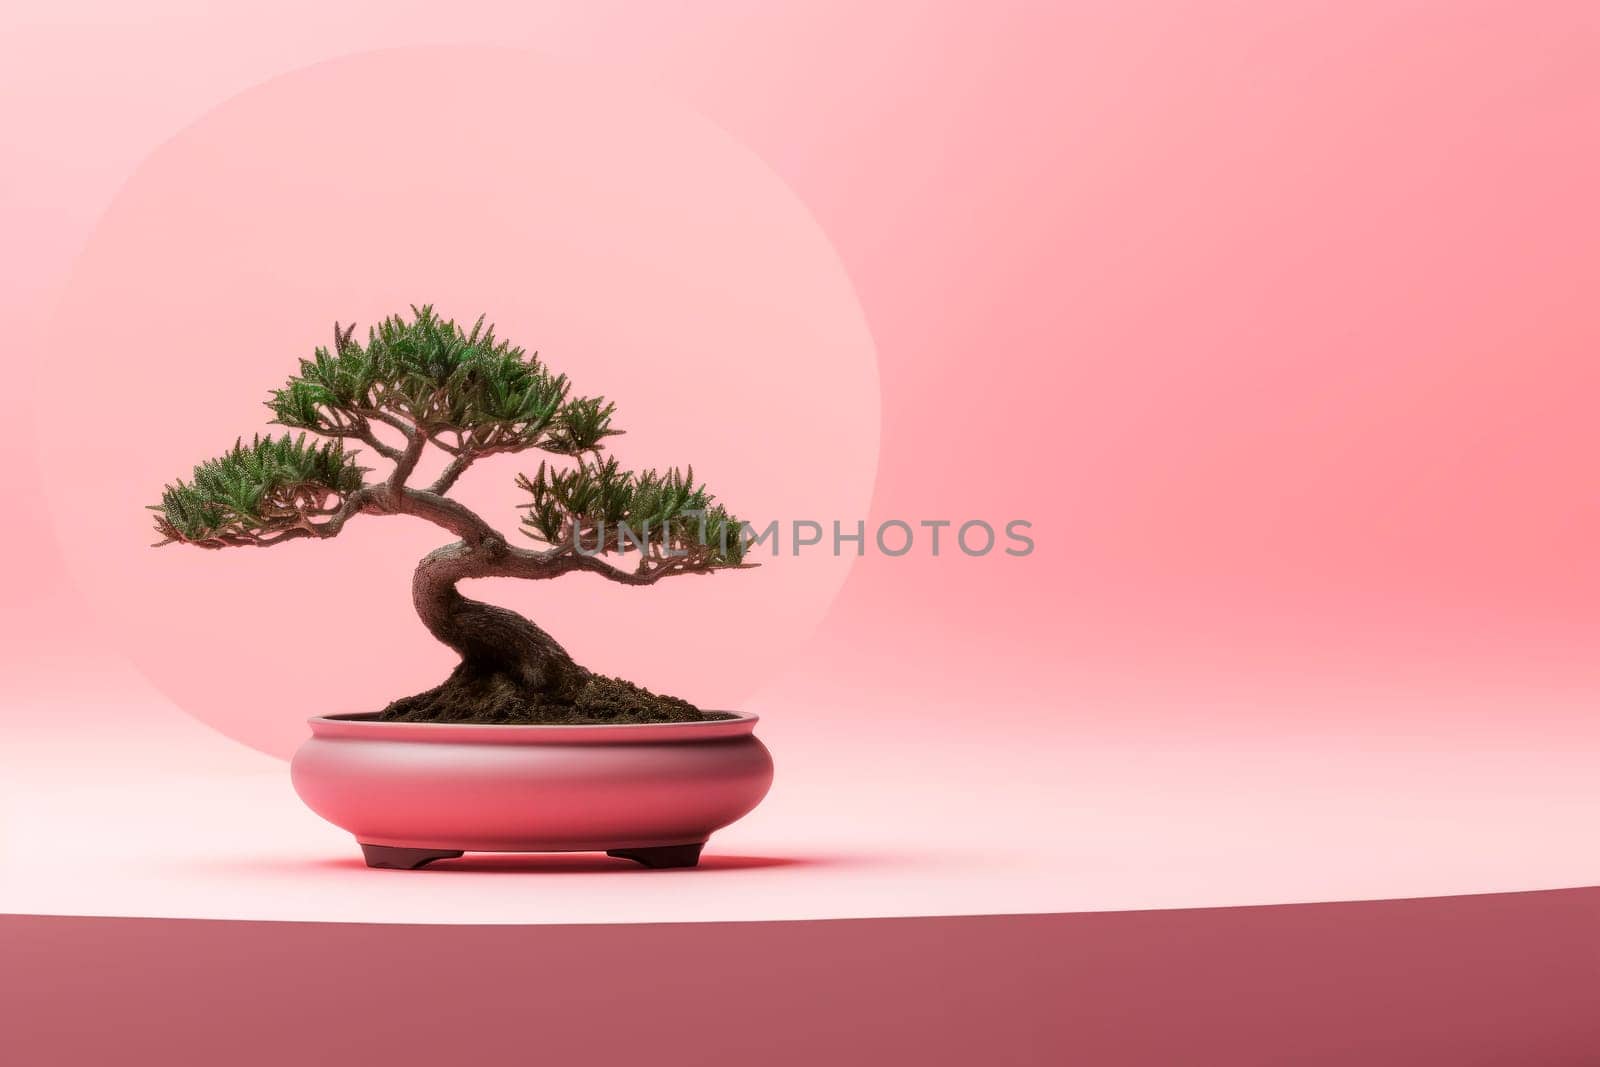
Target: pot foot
[
  {"x": 404, "y": 859},
  {"x": 664, "y": 857}
]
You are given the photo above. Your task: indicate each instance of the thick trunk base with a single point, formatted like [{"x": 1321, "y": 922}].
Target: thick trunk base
[{"x": 511, "y": 671}]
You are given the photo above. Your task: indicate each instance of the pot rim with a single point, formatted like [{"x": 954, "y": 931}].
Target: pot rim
[{"x": 365, "y": 726}]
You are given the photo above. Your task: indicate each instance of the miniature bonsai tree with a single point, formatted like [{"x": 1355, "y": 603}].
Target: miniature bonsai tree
[{"x": 426, "y": 383}]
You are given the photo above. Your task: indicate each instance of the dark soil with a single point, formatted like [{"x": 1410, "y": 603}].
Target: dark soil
[{"x": 495, "y": 696}]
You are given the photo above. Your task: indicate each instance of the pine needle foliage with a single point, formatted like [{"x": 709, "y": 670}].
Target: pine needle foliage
[
  {"x": 469, "y": 393},
  {"x": 442, "y": 379},
  {"x": 271, "y": 483},
  {"x": 593, "y": 502}
]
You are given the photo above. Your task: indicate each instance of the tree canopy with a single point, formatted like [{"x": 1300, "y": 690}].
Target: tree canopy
[
  {"x": 467, "y": 390},
  {"x": 426, "y": 382}
]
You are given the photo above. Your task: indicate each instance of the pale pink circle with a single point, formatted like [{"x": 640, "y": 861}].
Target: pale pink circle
[{"x": 636, "y": 246}]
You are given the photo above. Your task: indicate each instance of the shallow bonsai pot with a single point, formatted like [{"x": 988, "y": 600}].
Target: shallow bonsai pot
[{"x": 416, "y": 792}]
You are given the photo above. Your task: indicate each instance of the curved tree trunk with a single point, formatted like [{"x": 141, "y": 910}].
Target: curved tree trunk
[
  {"x": 486, "y": 636},
  {"x": 511, "y": 670}
]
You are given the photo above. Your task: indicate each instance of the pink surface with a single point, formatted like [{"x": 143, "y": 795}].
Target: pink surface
[
  {"x": 1136, "y": 823},
  {"x": 1276, "y": 322},
  {"x": 1464, "y": 981}
]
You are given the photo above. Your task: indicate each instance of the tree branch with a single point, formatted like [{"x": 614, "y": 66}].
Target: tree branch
[
  {"x": 406, "y": 462},
  {"x": 442, "y": 511},
  {"x": 388, "y": 452},
  {"x": 363, "y": 433},
  {"x": 379, "y": 500},
  {"x": 387, "y": 418},
  {"x": 362, "y": 499},
  {"x": 466, "y": 458},
  {"x": 515, "y": 562},
  {"x": 456, "y": 468}
]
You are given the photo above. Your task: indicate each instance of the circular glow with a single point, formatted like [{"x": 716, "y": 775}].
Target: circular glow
[{"x": 635, "y": 246}]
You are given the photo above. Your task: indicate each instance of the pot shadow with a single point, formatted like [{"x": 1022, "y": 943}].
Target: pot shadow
[
  {"x": 532, "y": 863},
  {"x": 578, "y": 863}
]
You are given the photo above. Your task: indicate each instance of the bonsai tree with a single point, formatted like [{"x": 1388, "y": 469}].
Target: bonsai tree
[{"x": 426, "y": 383}]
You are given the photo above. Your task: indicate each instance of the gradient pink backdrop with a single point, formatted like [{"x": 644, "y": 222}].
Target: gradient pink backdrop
[
  {"x": 642, "y": 251},
  {"x": 1277, "y": 320}
]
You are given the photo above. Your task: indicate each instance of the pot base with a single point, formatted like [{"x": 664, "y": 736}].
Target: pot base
[
  {"x": 657, "y": 858},
  {"x": 662, "y": 857},
  {"x": 404, "y": 859}
]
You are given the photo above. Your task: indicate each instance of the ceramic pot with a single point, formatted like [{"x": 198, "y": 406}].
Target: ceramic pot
[{"x": 412, "y": 793}]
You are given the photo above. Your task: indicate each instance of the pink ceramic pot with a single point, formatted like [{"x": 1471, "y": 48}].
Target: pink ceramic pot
[{"x": 416, "y": 792}]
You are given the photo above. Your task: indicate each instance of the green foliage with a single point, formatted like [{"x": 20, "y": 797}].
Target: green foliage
[
  {"x": 273, "y": 483},
  {"x": 435, "y": 376},
  {"x": 581, "y": 426},
  {"x": 470, "y": 394},
  {"x": 595, "y": 499}
]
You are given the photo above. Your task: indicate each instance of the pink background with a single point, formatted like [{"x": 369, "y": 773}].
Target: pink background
[
  {"x": 1275, "y": 319},
  {"x": 641, "y": 250}
]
